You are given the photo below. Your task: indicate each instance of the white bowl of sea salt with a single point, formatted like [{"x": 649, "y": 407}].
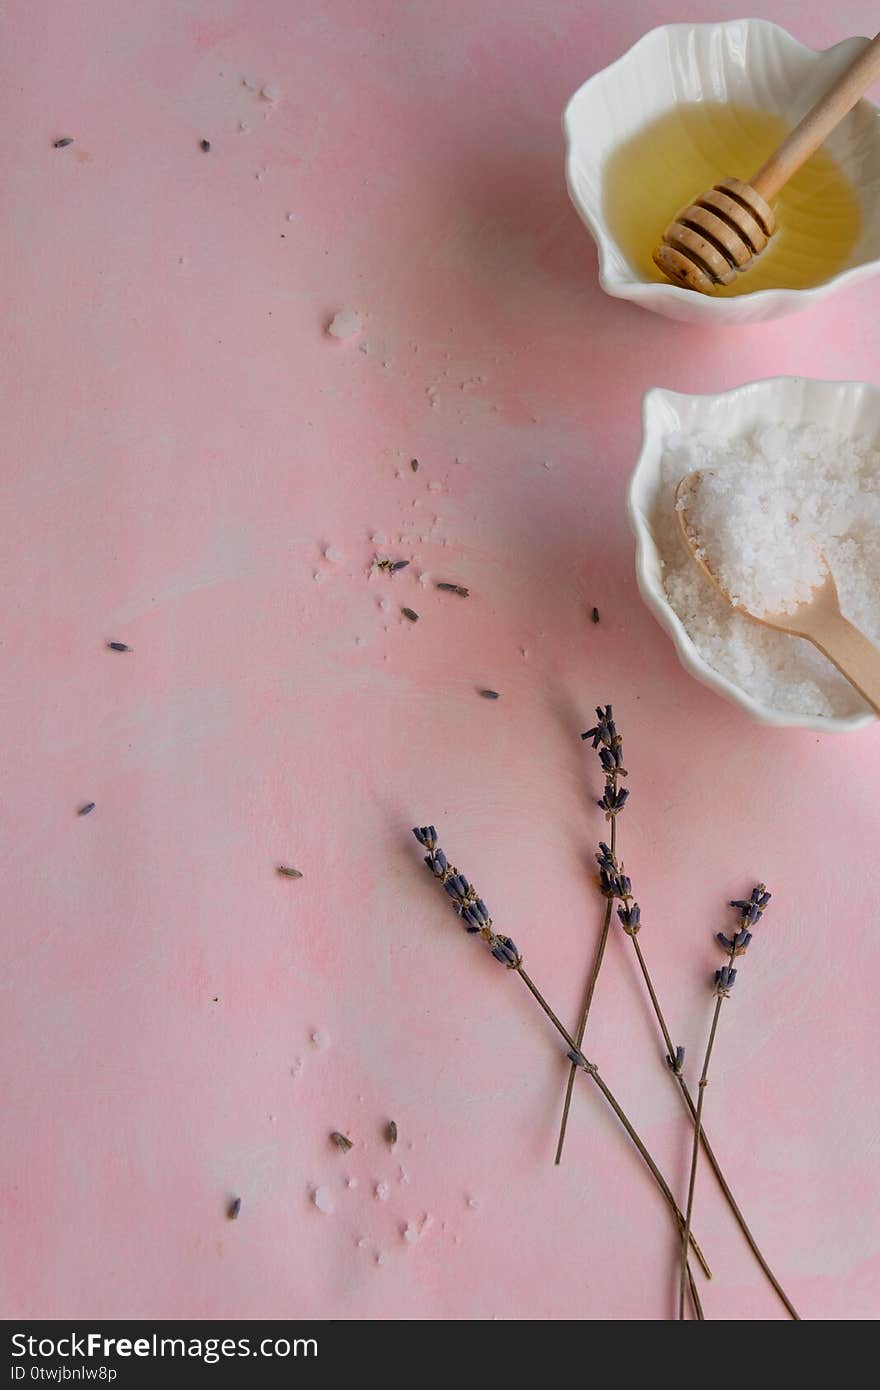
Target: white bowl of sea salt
[{"x": 791, "y": 469}]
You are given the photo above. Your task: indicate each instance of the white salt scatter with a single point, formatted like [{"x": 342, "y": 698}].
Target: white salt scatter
[
  {"x": 260, "y": 175},
  {"x": 269, "y": 92},
  {"x": 317, "y": 576},
  {"x": 244, "y": 128},
  {"x": 319, "y": 1040},
  {"x": 291, "y": 217},
  {"x": 273, "y": 1119},
  {"x": 434, "y": 486},
  {"x": 473, "y": 1203},
  {"x": 296, "y": 1069},
  {"x": 333, "y": 555},
  {"x": 351, "y": 1182},
  {"x": 381, "y": 1191},
  {"x": 323, "y": 1200},
  {"x": 250, "y": 84},
  {"x": 424, "y": 579},
  {"x": 402, "y": 1174},
  {"x": 384, "y": 604},
  {"x": 769, "y": 507},
  {"x": 400, "y": 474},
  {"x": 359, "y": 641},
  {"x": 410, "y": 1233},
  {"x": 361, "y": 1243},
  {"x": 345, "y": 324},
  {"x": 379, "y": 538},
  {"x": 524, "y": 651},
  {"x": 380, "y": 1258}
]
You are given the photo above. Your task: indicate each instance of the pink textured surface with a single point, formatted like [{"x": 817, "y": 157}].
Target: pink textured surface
[{"x": 181, "y": 441}]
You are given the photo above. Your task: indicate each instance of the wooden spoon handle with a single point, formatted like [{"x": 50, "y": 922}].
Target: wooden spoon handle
[
  {"x": 819, "y": 122},
  {"x": 852, "y": 653}
]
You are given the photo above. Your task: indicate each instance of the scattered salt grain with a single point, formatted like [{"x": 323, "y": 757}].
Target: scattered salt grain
[
  {"x": 379, "y": 538},
  {"x": 333, "y": 555},
  {"x": 319, "y": 1040},
  {"x": 291, "y": 217},
  {"x": 410, "y": 1233},
  {"x": 381, "y": 1191},
  {"x": 473, "y": 1203},
  {"x": 323, "y": 1200},
  {"x": 270, "y": 93},
  {"x": 351, "y": 1182},
  {"x": 769, "y": 506},
  {"x": 380, "y": 1258},
  {"x": 345, "y": 324}
]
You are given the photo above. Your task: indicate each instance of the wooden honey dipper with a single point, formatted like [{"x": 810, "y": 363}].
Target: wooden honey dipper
[{"x": 718, "y": 236}]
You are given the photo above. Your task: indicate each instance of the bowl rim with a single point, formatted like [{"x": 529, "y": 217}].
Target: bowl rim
[
  {"x": 647, "y": 550},
  {"x": 612, "y": 282}
]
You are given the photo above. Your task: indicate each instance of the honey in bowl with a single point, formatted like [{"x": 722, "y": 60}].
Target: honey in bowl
[{"x": 672, "y": 160}]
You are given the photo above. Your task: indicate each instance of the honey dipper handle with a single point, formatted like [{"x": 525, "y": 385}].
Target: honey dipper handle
[
  {"x": 819, "y": 122},
  {"x": 854, "y": 655}
]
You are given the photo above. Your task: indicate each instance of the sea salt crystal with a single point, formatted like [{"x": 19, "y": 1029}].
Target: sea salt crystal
[
  {"x": 345, "y": 324},
  {"x": 773, "y": 508},
  {"x": 270, "y": 93},
  {"x": 319, "y": 1040},
  {"x": 381, "y": 1191},
  {"x": 323, "y": 1200},
  {"x": 334, "y": 555}
]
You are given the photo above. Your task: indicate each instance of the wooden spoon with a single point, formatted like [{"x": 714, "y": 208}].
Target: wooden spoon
[
  {"x": 719, "y": 235},
  {"x": 819, "y": 619}
]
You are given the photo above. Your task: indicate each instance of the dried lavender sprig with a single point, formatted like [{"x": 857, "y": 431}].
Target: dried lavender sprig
[
  {"x": 613, "y": 882},
  {"x": 477, "y": 921},
  {"x": 609, "y": 744},
  {"x": 749, "y": 914}
]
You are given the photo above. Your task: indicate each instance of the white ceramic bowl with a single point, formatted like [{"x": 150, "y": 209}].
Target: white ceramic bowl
[
  {"x": 846, "y": 407},
  {"x": 749, "y": 61}
]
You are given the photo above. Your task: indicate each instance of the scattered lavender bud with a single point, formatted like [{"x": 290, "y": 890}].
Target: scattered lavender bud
[
  {"x": 286, "y": 872},
  {"x": 87, "y": 809},
  {"x": 677, "y": 1062},
  {"x": 631, "y": 917},
  {"x": 391, "y": 1133},
  {"x": 411, "y": 614},
  {"x": 490, "y": 694},
  {"x": 414, "y": 465},
  {"x": 725, "y": 978},
  {"x": 233, "y": 1209},
  {"x": 62, "y": 143},
  {"x": 118, "y": 647},
  {"x": 205, "y": 146},
  {"x": 454, "y": 589},
  {"x": 595, "y": 615},
  {"x": 341, "y": 1141}
]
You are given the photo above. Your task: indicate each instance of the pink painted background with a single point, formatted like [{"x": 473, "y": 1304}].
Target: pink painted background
[{"x": 181, "y": 441}]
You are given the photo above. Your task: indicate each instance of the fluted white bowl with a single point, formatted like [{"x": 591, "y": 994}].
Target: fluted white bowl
[
  {"x": 846, "y": 407},
  {"x": 748, "y": 61}
]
